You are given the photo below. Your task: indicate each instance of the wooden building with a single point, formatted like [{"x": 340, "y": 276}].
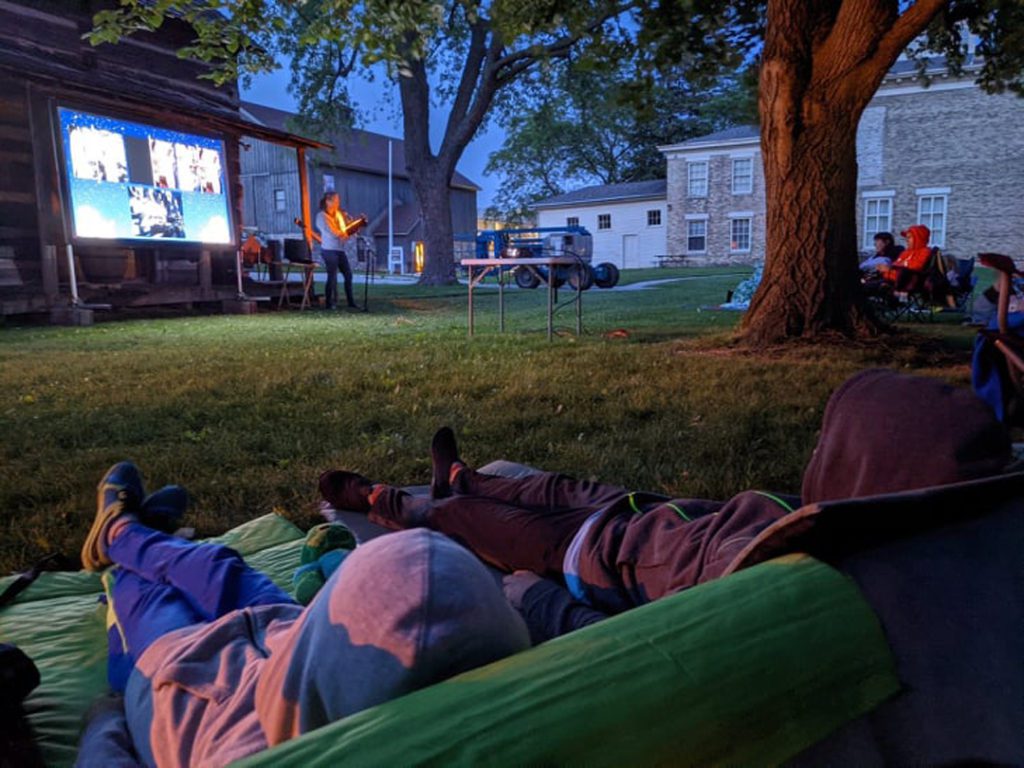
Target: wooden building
[
  {"x": 57, "y": 94},
  {"x": 357, "y": 168}
]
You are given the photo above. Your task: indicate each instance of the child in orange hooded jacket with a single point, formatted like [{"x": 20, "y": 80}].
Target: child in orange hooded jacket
[{"x": 914, "y": 257}]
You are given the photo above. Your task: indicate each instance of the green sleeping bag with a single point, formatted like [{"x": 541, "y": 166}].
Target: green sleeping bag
[{"x": 750, "y": 669}]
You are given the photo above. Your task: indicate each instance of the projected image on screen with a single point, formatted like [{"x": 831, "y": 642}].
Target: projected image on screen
[
  {"x": 97, "y": 155},
  {"x": 156, "y": 212},
  {"x": 136, "y": 182},
  {"x": 198, "y": 169},
  {"x": 161, "y": 155}
]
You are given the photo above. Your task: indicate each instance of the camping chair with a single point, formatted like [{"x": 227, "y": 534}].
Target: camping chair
[
  {"x": 963, "y": 283},
  {"x": 998, "y": 364},
  {"x": 945, "y": 284}
]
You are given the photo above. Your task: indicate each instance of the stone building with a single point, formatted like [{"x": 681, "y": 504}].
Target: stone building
[
  {"x": 716, "y": 197},
  {"x": 944, "y": 154},
  {"x": 947, "y": 156}
]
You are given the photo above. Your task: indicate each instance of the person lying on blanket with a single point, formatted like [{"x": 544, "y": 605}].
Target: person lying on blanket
[
  {"x": 594, "y": 549},
  {"x": 223, "y": 663}
]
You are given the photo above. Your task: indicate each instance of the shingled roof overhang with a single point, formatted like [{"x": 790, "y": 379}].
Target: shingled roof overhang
[{"x": 67, "y": 78}]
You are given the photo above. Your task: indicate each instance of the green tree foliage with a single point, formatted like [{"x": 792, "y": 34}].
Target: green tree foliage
[{"x": 578, "y": 126}]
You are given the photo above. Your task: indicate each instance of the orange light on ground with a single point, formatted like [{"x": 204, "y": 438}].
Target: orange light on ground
[{"x": 419, "y": 256}]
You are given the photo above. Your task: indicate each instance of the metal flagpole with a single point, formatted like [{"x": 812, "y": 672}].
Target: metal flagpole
[{"x": 391, "y": 207}]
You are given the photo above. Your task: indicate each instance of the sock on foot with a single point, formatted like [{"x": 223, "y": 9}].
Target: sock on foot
[
  {"x": 455, "y": 475},
  {"x": 346, "y": 490}
]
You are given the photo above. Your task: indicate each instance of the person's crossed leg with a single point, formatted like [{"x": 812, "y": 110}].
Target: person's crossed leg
[{"x": 523, "y": 523}]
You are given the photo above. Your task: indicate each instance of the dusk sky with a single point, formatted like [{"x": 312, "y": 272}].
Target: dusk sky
[{"x": 375, "y": 111}]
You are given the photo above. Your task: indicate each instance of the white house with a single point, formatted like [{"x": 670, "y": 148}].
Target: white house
[{"x": 627, "y": 221}]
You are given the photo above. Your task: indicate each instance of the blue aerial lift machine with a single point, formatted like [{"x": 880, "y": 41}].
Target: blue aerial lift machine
[{"x": 539, "y": 242}]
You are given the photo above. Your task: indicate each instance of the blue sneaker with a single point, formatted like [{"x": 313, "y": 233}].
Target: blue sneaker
[
  {"x": 120, "y": 492},
  {"x": 163, "y": 510}
]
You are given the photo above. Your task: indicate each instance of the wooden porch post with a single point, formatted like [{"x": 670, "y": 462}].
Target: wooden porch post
[{"x": 307, "y": 223}]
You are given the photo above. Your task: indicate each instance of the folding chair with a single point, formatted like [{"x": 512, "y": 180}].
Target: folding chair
[
  {"x": 998, "y": 364},
  {"x": 298, "y": 255},
  {"x": 919, "y": 294}
]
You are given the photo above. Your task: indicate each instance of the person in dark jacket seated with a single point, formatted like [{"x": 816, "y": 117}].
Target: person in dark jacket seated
[
  {"x": 886, "y": 252},
  {"x": 584, "y": 550}
]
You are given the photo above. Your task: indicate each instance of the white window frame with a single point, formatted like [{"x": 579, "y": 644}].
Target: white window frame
[
  {"x": 604, "y": 217},
  {"x": 656, "y": 211},
  {"x": 733, "y": 219},
  {"x": 280, "y": 201},
  {"x": 572, "y": 221},
  {"x": 871, "y": 231},
  {"x": 697, "y": 186},
  {"x": 938, "y": 235},
  {"x": 748, "y": 188},
  {"x": 703, "y": 220}
]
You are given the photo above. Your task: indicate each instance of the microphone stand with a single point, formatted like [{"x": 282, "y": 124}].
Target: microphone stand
[{"x": 366, "y": 280}]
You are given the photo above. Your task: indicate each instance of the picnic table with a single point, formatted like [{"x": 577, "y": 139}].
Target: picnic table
[{"x": 488, "y": 265}]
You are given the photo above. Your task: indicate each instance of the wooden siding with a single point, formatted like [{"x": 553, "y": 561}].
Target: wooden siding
[
  {"x": 44, "y": 61},
  {"x": 45, "y": 37},
  {"x": 19, "y": 240}
]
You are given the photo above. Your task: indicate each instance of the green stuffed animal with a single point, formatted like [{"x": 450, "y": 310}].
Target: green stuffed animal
[{"x": 326, "y": 546}]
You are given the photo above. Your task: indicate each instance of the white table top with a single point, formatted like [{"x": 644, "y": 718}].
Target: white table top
[{"x": 497, "y": 262}]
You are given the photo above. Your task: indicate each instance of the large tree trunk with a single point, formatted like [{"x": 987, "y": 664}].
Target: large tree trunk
[
  {"x": 810, "y": 284},
  {"x": 823, "y": 61},
  {"x": 431, "y": 183},
  {"x": 430, "y": 175}
]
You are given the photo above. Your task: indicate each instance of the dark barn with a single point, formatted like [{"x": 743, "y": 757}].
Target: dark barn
[
  {"x": 121, "y": 152},
  {"x": 357, "y": 168}
]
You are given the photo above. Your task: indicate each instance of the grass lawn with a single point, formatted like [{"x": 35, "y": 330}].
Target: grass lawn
[{"x": 247, "y": 411}]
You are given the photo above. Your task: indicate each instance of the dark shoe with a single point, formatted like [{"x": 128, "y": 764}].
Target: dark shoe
[
  {"x": 163, "y": 510},
  {"x": 346, "y": 490},
  {"x": 120, "y": 492},
  {"x": 443, "y": 453}
]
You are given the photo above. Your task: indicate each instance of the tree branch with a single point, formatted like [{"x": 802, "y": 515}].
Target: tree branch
[
  {"x": 564, "y": 44},
  {"x": 900, "y": 34},
  {"x": 414, "y": 90},
  {"x": 486, "y": 84},
  {"x": 852, "y": 37},
  {"x": 908, "y": 26},
  {"x": 470, "y": 78},
  {"x": 343, "y": 70}
]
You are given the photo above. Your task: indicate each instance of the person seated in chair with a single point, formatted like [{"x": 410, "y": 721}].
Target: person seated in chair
[
  {"x": 593, "y": 549},
  {"x": 886, "y": 252},
  {"x": 911, "y": 263},
  {"x": 216, "y": 662}
]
